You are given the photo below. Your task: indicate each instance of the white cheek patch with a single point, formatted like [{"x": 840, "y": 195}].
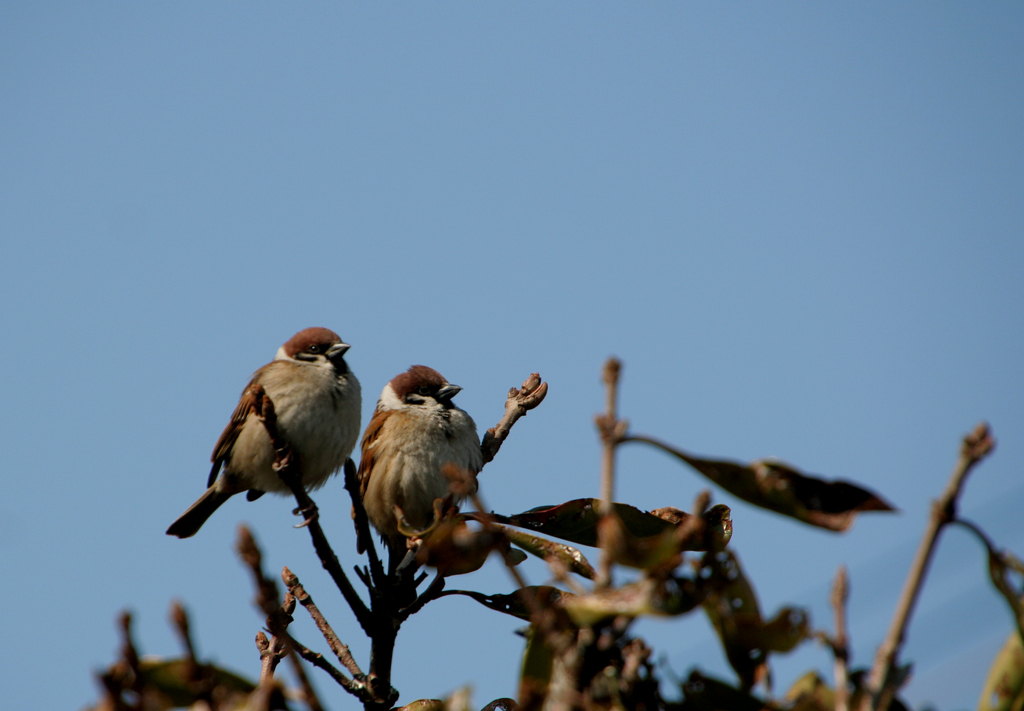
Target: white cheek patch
[{"x": 388, "y": 399}]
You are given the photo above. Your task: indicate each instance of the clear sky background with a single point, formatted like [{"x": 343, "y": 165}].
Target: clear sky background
[{"x": 799, "y": 225}]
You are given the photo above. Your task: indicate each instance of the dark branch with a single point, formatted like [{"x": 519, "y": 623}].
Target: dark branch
[
  {"x": 288, "y": 469},
  {"x": 340, "y": 649}
]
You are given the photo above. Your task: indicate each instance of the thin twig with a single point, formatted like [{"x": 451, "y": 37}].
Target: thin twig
[
  {"x": 432, "y": 592},
  {"x": 340, "y": 649},
  {"x": 287, "y": 468},
  {"x": 179, "y": 620},
  {"x": 1001, "y": 562},
  {"x": 612, "y": 430},
  {"x": 268, "y": 600},
  {"x": 880, "y": 691},
  {"x": 607, "y": 425},
  {"x": 129, "y": 653},
  {"x": 115, "y": 683},
  {"x": 518, "y": 403},
  {"x": 267, "y": 597},
  {"x": 560, "y": 573},
  {"x": 279, "y": 616},
  {"x": 198, "y": 676},
  {"x": 356, "y": 687},
  {"x": 309, "y": 694},
  {"x": 840, "y": 643},
  {"x": 271, "y": 651},
  {"x": 362, "y": 524}
]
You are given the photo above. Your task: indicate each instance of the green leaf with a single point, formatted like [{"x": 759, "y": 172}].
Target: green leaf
[
  {"x": 169, "y": 683},
  {"x": 811, "y": 693},
  {"x": 648, "y": 596},
  {"x": 572, "y": 559},
  {"x": 535, "y": 676},
  {"x": 778, "y": 487},
  {"x": 1004, "y": 685}
]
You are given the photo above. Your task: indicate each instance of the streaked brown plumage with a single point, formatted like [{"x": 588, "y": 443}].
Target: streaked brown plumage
[
  {"x": 317, "y": 400},
  {"x": 414, "y": 432}
]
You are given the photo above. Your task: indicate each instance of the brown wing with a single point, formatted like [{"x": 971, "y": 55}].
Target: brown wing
[
  {"x": 366, "y": 457},
  {"x": 222, "y": 450},
  {"x": 370, "y": 436}
]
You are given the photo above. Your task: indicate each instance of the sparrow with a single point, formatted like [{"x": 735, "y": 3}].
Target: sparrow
[
  {"x": 317, "y": 401},
  {"x": 414, "y": 432}
]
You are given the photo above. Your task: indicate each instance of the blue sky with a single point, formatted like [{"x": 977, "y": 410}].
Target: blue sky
[{"x": 800, "y": 226}]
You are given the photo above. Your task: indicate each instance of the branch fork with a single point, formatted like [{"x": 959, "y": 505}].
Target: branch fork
[{"x": 392, "y": 597}]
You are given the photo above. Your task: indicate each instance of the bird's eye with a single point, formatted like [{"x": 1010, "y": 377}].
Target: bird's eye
[
  {"x": 423, "y": 390},
  {"x": 314, "y": 349}
]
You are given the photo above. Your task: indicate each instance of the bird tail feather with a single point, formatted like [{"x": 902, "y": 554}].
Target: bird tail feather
[{"x": 193, "y": 519}]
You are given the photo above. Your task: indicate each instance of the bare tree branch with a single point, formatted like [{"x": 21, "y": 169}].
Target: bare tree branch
[
  {"x": 279, "y": 616},
  {"x": 362, "y": 524},
  {"x": 356, "y": 687},
  {"x": 309, "y": 694},
  {"x": 389, "y": 595},
  {"x": 432, "y": 592},
  {"x": 840, "y": 643},
  {"x": 179, "y": 620},
  {"x": 271, "y": 652},
  {"x": 288, "y": 469},
  {"x": 612, "y": 430},
  {"x": 340, "y": 649},
  {"x": 518, "y": 403},
  {"x": 881, "y": 682}
]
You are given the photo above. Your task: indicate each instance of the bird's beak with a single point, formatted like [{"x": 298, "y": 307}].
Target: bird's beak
[
  {"x": 448, "y": 392},
  {"x": 337, "y": 350}
]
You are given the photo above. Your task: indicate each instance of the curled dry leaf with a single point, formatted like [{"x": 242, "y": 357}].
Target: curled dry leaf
[
  {"x": 732, "y": 607},
  {"x": 660, "y": 551},
  {"x": 787, "y": 629},
  {"x": 663, "y": 551},
  {"x": 453, "y": 548},
  {"x": 778, "y": 487},
  {"x": 576, "y": 521}
]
